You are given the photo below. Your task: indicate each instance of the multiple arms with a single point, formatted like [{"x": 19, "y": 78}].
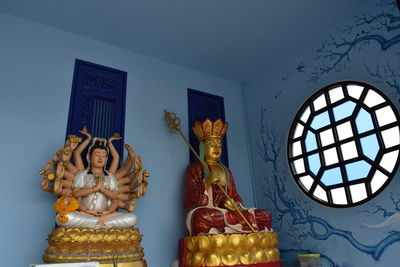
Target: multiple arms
[
  {"x": 59, "y": 174},
  {"x": 114, "y": 154}
]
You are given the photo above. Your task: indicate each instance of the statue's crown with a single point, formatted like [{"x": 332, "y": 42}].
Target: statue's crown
[{"x": 207, "y": 129}]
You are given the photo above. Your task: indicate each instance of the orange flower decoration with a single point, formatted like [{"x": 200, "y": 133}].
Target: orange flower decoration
[
  {"x": 65, "y": 205},
  {"x": 62, "y": 219}
]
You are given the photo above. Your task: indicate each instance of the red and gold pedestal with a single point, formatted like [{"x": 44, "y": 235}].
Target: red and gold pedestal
[
  {"x": 107, "y": 246},
  {"x": 253, "y": 250}
]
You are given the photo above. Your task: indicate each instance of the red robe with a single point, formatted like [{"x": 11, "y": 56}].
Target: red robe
[{"x": 204, "y": 218}]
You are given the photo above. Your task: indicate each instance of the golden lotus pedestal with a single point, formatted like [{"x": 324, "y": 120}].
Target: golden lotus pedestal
[
  {"x": 106, "y": 246},
  {"x": 255, "y": 250}
]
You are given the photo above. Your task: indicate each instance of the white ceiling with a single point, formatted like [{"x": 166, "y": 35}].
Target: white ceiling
[{"x": 232, "y": 39}]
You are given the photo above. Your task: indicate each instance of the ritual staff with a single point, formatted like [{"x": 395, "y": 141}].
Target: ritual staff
[{"x": 212, "y": 204}]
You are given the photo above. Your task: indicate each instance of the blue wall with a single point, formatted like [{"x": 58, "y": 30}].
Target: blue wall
[
  {"x": 276, "y": 96},
  {"x": 36, "y": 73}
]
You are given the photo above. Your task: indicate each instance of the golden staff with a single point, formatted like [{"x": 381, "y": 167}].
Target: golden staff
[{"x": 174, "y": 124}]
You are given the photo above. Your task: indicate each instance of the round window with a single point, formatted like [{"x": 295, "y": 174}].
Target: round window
[{"x": 343, "y": 145}]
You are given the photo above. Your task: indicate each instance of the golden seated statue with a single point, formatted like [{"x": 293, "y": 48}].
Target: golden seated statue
[
  {"x": 90, "y": 227},
  {"x": 222, "y": 232}
]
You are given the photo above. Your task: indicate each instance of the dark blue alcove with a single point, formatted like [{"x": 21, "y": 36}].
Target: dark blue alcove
[{"x": 200, "y": 107}]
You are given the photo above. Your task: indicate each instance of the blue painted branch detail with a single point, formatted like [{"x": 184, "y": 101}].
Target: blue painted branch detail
[
  {"x": 383, "y": 29},
  {"x": 388, "y": 74},
  {"x": 288, "y": 207}
]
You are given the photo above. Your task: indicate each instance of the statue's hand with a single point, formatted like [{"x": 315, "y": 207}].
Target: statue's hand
[
  {"x": 114, "y": 137},
  {"x": 230, "y": 206},
  {"x": 86, "y": 133},
  {"x": 141, "y": 191},
  {"x": 104, "y": 212},
  {"x": 99, "y": 185},
  {"x": 129, "y": 149},
  {"x": 211, "y": 179},
  {"x": 92, "y": 212},
  {"x": 138, "y": 162}
]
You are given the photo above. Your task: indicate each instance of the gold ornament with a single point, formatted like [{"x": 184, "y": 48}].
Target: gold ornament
[
  {"x": 209, "y": 129},
  {"x": 74, "y": 139},
  {"x": 103, "y": 245},
  {"x": 51, "y": 176},
  {"x": 231, "y": 249},
  {"x": 84, "y": 129},
  {"x": 213, "y": 259}
]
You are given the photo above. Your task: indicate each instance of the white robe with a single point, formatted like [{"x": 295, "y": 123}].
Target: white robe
[{"x": 96, "y": 201}]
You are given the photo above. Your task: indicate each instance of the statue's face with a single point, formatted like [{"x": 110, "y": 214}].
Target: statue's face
[
  {"x": 212, "y": 148},
  {"x": 98, "y": 158}
]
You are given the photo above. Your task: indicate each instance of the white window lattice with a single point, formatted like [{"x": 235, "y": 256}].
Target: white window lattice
[{"x": 344, "y": 144}]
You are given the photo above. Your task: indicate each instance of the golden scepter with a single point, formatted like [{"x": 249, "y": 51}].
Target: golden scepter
[{"x": 174, "y": 124}]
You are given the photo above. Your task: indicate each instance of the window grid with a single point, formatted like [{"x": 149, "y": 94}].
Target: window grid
[{"x": 345, "y": 112}]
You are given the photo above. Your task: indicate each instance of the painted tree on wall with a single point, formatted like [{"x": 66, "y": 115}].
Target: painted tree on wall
[{"x": 380, "y": 30}]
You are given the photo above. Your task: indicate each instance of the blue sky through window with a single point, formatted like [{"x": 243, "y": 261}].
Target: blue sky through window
[
  {"x": 343, "y": 110},
  {"x": 357, "y": 170},
  {"x": 364, "y": 121},
  {"x": 320, "y": 120},
  {"x": 332, "y": 177},
  {"x": 370, "y": 146}
]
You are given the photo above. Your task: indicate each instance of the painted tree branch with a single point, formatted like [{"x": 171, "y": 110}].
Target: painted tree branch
[
  {"x": 389, "y": 74},
  {"x": 335, "y": 53}
]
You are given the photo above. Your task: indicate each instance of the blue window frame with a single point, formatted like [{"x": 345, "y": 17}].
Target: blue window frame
[{"x": 98, "y": 101}]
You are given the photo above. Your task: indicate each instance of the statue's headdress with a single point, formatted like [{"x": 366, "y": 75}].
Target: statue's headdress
[
  {"x": 207, "y": 129},
  {"x": 97, "y": 142}
]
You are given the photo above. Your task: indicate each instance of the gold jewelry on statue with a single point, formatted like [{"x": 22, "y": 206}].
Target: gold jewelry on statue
[{"x": 209, "y": 129}]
